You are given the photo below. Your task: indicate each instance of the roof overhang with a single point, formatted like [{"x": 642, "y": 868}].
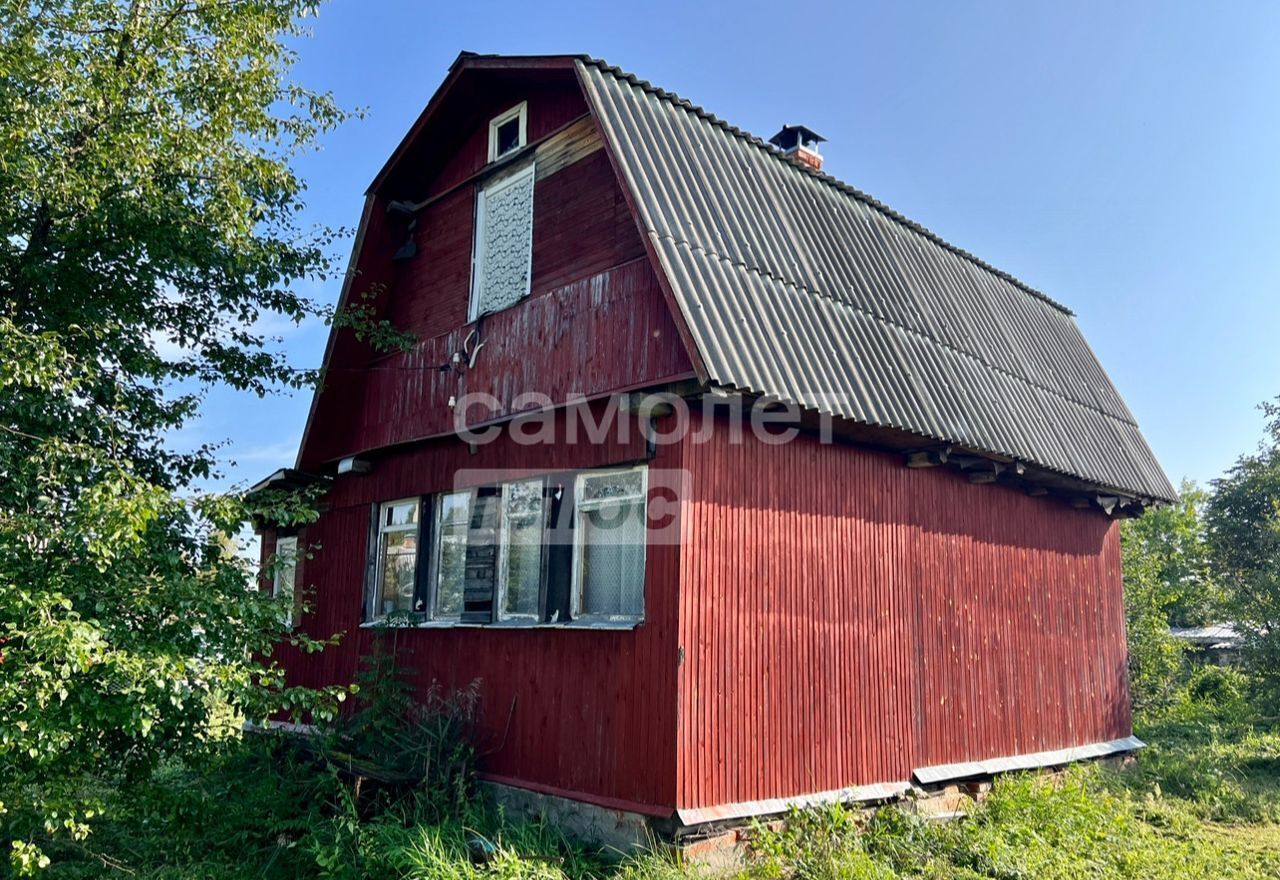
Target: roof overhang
[
  {"x": 466, "y": 61},
  {"x": 287, "y": 479}
]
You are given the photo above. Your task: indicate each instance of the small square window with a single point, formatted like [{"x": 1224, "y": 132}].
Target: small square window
[
  {"x": 508, "y": 136},
  {"x": 507, "y": 132}
]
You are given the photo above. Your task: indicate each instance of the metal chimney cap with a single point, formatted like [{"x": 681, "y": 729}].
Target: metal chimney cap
[{"x": 791, "y": 137}]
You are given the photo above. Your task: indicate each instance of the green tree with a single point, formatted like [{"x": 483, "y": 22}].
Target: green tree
[
  {"x": 1167, "y": 581},
  {"x": 148, "y": 220},
  {"x": 1244, "y": 535}
]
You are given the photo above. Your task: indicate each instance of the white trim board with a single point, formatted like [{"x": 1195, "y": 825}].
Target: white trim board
[
  {"x": 877, "y": 791},
  {"x": 1028, "y": 761}
]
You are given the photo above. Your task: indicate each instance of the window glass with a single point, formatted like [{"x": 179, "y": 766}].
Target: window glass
[
  {"x": 399, "y": 550},
  {"x": 522, "y": 518},
  {"x": 496, "y": 539},
  {"x": 507, "y": 132},
  {"x": 504, "y": 244},
  {"x": 397, "y": 557},
  {"x": 606, "y": 487},
  {"x": 451, "y": 553},
  {"x": 508, "y": 136},
  {"x": 400, "y": 513},
  {"x": 286, "y": 568},
  {"x": 611, "y": 544}
]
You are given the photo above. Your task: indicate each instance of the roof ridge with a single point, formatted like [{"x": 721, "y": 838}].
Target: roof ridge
[{"x": 831, "y": 181}]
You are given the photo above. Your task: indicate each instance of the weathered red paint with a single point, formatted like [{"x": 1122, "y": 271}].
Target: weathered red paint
[
  {"x": 450, "y": 141},
  {"x": 599, "y": 334},
  {"x": 845, "y": 619},
  {"x": 580, "y": 711},
  {"x": 595, "y": 320},
  {"x": 830, "y": 618}
]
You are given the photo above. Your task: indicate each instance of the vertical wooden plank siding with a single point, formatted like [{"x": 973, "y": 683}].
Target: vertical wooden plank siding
[
  {"x": 580, "y": 712},
  {"x": 845, "y": 619},
  {"x": 595, "y": 320},
  {"x": 462, "y": 135}
]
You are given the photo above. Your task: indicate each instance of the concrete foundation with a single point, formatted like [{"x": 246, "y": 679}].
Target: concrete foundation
[
  {"x": 615, "y": 829},
  {"x": 723, "y": 846}
]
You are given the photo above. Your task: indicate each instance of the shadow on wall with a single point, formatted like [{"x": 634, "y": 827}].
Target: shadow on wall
[{"x": 806, "y": 478}]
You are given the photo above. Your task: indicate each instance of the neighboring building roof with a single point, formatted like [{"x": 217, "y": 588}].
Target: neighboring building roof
[
  {"x": 796, "y": 286},
  {"x": 1214, "y": 635}
]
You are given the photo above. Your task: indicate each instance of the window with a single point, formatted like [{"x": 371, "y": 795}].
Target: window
[
  {"x": 453, "y": 515},
  {"x": 395, "y": 577},
  {"x": 507, "y": 131},
  {"x": 503, "y": 250},
  {"x": 520, "y": 551},
  {"x": 286, "y": 570},
  {"x": 609, "y": 545},
  {"x": 553, "y": 549}
]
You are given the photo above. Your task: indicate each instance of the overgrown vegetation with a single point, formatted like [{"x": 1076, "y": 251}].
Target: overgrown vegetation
[
  {"x": 1212, "y": 557},
  {"x": 390, "y": 790},
  {"x": 1204, "y": 799},
  {"x": 148, "y": 230}
]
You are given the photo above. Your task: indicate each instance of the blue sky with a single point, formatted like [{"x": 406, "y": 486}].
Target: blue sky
[{"x": 1123, "y": 158}]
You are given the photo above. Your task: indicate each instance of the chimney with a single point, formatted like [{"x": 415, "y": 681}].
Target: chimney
[{"x": 800, "y": 143}]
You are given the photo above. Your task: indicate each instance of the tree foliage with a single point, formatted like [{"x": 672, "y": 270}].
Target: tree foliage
[
  {"x": 1244, "y": 534},
  {"x": 148, "y": 225},
  {"x": 1167, "y": 581}
]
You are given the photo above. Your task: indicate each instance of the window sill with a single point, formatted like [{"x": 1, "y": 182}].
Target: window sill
[
  {"x": 607, "y": 625},
  {"x": 594, "y": 624}
]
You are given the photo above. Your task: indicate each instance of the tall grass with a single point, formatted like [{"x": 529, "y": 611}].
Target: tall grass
[{"x": 1202, "y": 801}]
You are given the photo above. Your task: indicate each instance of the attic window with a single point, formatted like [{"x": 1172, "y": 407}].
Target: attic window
[
  {"x": 501, "y": 268},
  {"x": 507, "y": 132}
]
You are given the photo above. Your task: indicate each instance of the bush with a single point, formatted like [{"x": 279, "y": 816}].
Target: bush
[
  {"x": 818, "y": 843},
  {"x": 1224, "y": 769},
  {"x": 1204, "y": 799},
  {"x": 395, "y": 735}
]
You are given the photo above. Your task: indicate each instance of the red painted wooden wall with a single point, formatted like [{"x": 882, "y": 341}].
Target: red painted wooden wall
[
  {"x": 594, "y": 710},
  {"x": 594, "y": 322},
  {"x": 846, "y": 619},
  {"x": 842, "y": 619}
]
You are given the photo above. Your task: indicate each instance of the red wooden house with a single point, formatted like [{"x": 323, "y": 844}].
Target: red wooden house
[{"x": 579, "y": 485}]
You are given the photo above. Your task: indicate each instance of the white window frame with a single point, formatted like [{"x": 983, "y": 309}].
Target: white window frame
[
  {"x": 437, "y": 543},
  {"x": 520, "y": 112},
  {"x": 375, "y": 590},
  {"x": 576, "y": 584},
  {"x": 286, "y": 558},
  {"x": 478, "y": 248},
  {"x": 504, "y": 550}
]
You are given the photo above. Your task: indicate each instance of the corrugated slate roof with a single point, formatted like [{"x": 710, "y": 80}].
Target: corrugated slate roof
[{"x": 797, "y": 286}]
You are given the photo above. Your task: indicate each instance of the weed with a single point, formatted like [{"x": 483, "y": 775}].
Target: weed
[{"x": 1202, "y": 801}]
